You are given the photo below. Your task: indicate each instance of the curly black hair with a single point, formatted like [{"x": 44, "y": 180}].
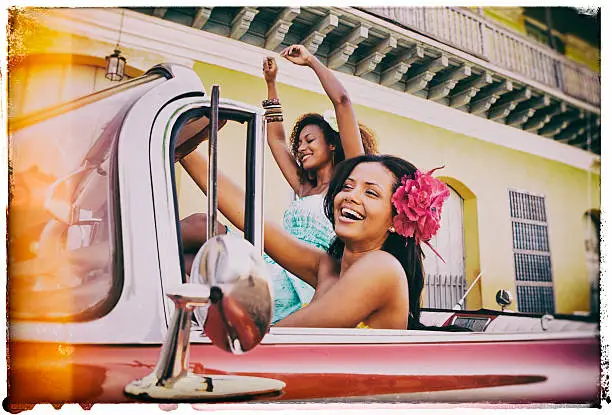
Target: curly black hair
[{"x": 332, "y": 137}]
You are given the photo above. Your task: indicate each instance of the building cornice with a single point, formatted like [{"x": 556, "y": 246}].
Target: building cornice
[{"x": 185, "y": 45}]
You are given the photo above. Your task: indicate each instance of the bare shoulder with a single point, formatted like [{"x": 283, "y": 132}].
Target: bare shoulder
[
  {"x": 381, "y": 259},
  {"x": 379, "y": 274},
  {"x": 381, "y": 264}
]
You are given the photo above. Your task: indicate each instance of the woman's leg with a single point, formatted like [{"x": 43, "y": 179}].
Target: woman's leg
[
  {"x": 193, "y": 236},
  {"x": 193, "y": 231}
]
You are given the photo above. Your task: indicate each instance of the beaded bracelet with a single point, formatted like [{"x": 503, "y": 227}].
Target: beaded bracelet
[
  {"x": 273, "y": 111},
  {"x": 272, "y": 107},
  {"x": 274, "y": 118},
  {"x": 268, "y": 102}
]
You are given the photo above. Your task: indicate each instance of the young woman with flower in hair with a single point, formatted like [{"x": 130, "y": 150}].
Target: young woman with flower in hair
[
  {"x": 317, "y": 143},
  {"x": 381, "y": 208}
]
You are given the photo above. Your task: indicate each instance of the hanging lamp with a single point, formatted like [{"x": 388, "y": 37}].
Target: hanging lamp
[{"x": 115, "y": 62}]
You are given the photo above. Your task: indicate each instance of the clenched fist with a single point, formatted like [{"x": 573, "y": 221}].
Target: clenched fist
[
  {"x": 270, "y": 69},
  {"x": 298, "y": 54}
]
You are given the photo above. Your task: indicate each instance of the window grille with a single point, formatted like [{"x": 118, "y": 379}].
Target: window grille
[
  {"x": 532, "y": 266},
  {"x": 535, "y": 299}
]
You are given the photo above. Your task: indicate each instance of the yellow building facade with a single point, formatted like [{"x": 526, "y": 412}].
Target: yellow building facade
[
  {"x": 480, "y": 172},
  {"x": 484, "y": 161}
]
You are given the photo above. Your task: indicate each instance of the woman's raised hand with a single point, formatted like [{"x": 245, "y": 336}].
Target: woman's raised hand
[
  {"x": 298, "y": 54},
  {"x": 270, "y": 69}
]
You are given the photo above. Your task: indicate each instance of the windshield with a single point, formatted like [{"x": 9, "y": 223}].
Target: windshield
[{"x": 64, "y": 235}]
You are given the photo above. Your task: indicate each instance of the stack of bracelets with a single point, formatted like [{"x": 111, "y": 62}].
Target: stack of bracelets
[{"x": 274, "y": 112}]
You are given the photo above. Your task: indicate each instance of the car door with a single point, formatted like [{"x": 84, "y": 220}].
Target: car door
[{"x": 79, "y": 249}]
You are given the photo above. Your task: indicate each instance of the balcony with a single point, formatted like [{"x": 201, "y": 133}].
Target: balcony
[
  {"x": 480, "y": 37},
  {"x": 445, "y": 54}
]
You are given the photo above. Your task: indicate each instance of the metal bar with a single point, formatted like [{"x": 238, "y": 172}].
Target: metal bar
[
  {"x": 253, "y": 203},
  {"x": 430, "y": 291},
  {"x": 461, "y": 301},
  {"x": 438, "y": 292},
  {"x": 453, "y": 289},
  {"x": 212, "y": 165},
  {"x": 249, "y": 196},
  {"x": 445, "y": 290},
  {"x": 259, "y": 130}
]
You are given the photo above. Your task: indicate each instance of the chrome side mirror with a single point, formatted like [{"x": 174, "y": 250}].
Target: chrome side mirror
[
  {"x": 504, "y": 299},
  {"x": 171, "y": 379},
  {"x": 240, "y": 307}
]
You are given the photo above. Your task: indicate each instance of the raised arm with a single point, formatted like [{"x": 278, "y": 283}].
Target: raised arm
[
  {"x": 299, "y": 258},
  {"x": 347, "y": 120},
  {"x": 276, "y": 131},
  {"x": 373, "y": 288}
]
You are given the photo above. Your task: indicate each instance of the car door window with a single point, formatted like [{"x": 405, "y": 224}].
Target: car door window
[{"x": 64, "y": 235}]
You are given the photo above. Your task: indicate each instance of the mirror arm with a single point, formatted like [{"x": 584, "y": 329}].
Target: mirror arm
[
  {"x": 171, "y": 379},
  {"x": 211, "y": 230}
]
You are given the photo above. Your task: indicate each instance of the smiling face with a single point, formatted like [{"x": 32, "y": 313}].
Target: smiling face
[
  {"x": 313, "y": 151},
  {"x": 362, "y": 208}
]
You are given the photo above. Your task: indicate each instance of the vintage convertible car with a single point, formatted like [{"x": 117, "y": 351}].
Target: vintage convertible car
[{"x": 97, "y": 283}]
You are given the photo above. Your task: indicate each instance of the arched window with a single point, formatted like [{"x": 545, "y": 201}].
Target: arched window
[{"x": 445, "y": 283}]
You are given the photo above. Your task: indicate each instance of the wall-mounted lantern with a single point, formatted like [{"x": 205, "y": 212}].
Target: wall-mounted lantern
[{"x": 115, "y": 63}]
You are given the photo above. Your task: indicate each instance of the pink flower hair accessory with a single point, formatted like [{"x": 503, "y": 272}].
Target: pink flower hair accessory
[{"x": 418, "y": 202}]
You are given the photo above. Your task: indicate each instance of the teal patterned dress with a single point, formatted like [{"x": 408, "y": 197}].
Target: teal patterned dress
[{"x": 306, "y": 220}]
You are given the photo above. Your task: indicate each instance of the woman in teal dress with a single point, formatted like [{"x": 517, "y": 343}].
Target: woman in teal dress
[
  {"x": 304, "y": 219},
  {"x": 317, "y": 142}
]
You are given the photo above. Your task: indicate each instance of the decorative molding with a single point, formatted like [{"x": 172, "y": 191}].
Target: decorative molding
[
  {"x": 448, "y": 81},
  {"x": 241, "y": 23},
  {"x": 501, "y": 110},
  {"x": 276, "y": 34},
  {"x": 553, "y": 128},
  {"x": 397, "y": 69},
  {"x": 425, "y": 74},
  {"x": 317, "y": 35},
  {"x": 543, "y": 117},
  {"x": 527, "y": 109},
  {"x": 483, "y": 105},
  {"x": 160, "y": 12},
  {"x": 508, "y": 102},
  {"x": 570, "y": 133},
  {"x": 520, "y": 117},
  {"x": 369, "y": 63},
  {"x": 535, "y": 124},
  {"x": 184, "y": 44},
  {"x": 201, "y": 17},
  {"x": 341, "y": 54},
  {"x": 488, "y": 96},
  {"x": 560, "y": 122},
  {"x": 582, "y": 141},
  {"x": 593, "y": 129},
  {"x": 469, "y": 89}
]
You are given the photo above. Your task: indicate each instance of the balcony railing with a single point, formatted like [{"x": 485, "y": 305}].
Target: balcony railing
[
  {"x": 444, "y": 290},
  {"x": 472, "y": 33}
]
